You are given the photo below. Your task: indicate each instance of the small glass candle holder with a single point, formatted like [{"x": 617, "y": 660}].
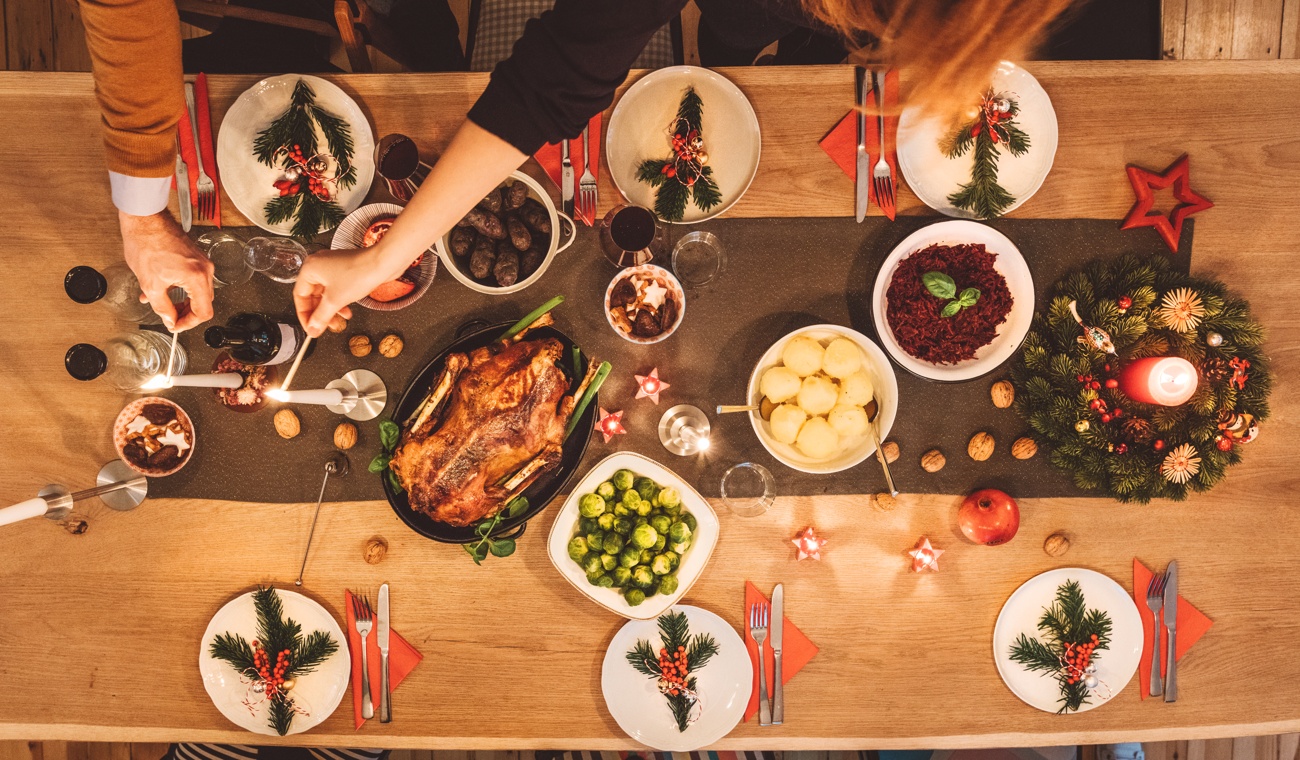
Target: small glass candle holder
[
  {"x": 748, "y": 489},
  {"x": 632, "y": 235}
]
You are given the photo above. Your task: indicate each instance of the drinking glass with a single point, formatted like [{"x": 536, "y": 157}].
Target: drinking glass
[
  {"x": 397, "y": 162},
  {"x": 230, "y": 264},
  {"x": 748, "y": 489},
  {"x": 632, "y": 235},
  {"x": 698, "y": 258},
  {"x": 277, "y": 258}
]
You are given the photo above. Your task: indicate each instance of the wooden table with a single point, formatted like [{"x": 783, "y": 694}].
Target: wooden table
[{"x": 99, "y": 632}]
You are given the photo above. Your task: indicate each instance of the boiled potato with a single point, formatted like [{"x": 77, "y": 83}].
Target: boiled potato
[
  {"x": 786, "y": 421},
  {"x": 779, "y": 384},
  {"x": 817, "y": 439},
  {"x": 856, "y": 389},
  {"x": 842, "y": 358},
  {"x": 848, "y": 420},
  {"x": 803, "y": 355},
  {"x": 817, "y": 395}
]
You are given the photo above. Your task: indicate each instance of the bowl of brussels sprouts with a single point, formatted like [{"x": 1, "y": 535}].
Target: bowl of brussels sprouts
[{"x": 633, "y": 536}]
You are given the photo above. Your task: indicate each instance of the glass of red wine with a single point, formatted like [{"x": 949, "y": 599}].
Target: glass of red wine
[
  {"x": 397, "y": 160},
  {"x": 632, "y": 235}
]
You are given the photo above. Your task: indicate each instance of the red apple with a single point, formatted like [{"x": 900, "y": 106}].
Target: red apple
[{"x": 989, "y": 517}]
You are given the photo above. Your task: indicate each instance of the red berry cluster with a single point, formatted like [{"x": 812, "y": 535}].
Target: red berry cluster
[
  {"x": 1077, "y": 659},
  {"x": 1088, "y": 382},
  {"x": 672, "y": 666},
  {"x": 993, "y": 117},
  {"x": 682, "y": 147},
  {"x": 272, "y": 676},
  {"x": 293, "y": 186}
]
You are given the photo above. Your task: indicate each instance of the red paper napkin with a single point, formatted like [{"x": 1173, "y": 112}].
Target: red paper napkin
[
  {"x": 186, "y": 133},
  {"x": 1192, "y": 625},
  {"x": 841, "y": 143},
  {"x": 549, "y": 156},
  {"x": 796, "y": 650},
  {"x": 206, "y": 148},
  {"x": 402, "y": 659}
]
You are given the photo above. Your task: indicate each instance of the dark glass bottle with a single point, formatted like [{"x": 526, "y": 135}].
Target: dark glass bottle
[{"x": 253, "y": 338}]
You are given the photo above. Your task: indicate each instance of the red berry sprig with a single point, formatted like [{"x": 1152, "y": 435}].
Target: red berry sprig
[
  {"x": 672, "y": 669},
  {"x": 273, "y": 677},
  {"x": 1077, "y": 659}
]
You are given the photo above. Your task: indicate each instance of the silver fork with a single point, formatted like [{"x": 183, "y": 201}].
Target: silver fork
[
  {"x": 587, "y": 182},
  {"x": 207, "y": 189},
  {"x": 881, "y": 176},
  {"x": 758, "y": 619},
  {"x": 365, "y": 621},
  {"x": 1156, "y": 602}
]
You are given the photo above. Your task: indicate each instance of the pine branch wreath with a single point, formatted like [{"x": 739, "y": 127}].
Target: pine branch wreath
[
  {"x": 684, "y": 176},
  {"x": 994, "y": 125},
  {"x": 1071, "y": 635},
  {"x": 1134, "y": 452},
  {"x": 280, "y": 638},
  {"x": 675, "y": 664}
]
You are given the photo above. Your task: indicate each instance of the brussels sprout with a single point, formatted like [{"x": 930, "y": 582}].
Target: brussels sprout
[
  {"x": 647, "y": 556},
  {"x": 623, "y": 525},
  {"x": 647, "y": 488},
  {"x": 680, "y": 532},
  {"x": 605, "y": 490},
  {"x": 668, "y": 584},
  {"x": 578, "y": 549},
  {"x": 673, "y": 512},
  {"x": 661, "y": 543},
  {"x": 661, "y": 523},
  {"x": 591, "y": 505},
  {"x": 613, "y": 543},
  {"x": 674, "y": 560},
  {"x": 621, "y": 576},
  {"x": 630, "y": 498},
  {"x": 629, "y": 557},
  {"x": 642, "y": 577},
  {"x": 653, "y": 588},
  {"x": 643, "y": 508},
  {"x": 644, "y": 536},
  {"x": 690, "y": 521},
  {"x": 623, "y": 479},
  {"x": 594, "y": 577},
  {"x": 621, "y": 510},
  {"x": 634, "y": 596},
  {"x": 591, "y": 563},
  {"x": 656, "y": 502},
  {"x": 670, "y": 497},
  {"x": 609, "y": 561},
  {"x": 587, "y": 525},
  {"x": 595, "y": 539},
  {"x": 606, "y": 522},
  {"x": 680, "y": 548},
  {"x": 661, "y": 565},
  {"x": 605, "y": 581},
  {"x": 639, "y": 520}
]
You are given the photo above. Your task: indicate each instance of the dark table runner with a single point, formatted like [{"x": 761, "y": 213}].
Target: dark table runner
[{"x": 782, "y": 274}]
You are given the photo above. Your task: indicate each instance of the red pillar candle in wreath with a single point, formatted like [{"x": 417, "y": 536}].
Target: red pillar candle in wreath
[{"x": 1163, "y": 380}]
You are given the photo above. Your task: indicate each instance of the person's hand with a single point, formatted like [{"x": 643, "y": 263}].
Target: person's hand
[
  {"x": 162, "y": 257},
  {"x": 330, "y": 280}
]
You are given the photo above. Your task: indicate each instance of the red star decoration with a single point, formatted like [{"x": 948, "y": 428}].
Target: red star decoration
[
  {"x": 925, "y": 557},
  {"x": 610, "y": 425},
  {"x": 1146, "y": 182},
  {"x": 808, "y": 544},
  {"x": 650, "y": 386}
]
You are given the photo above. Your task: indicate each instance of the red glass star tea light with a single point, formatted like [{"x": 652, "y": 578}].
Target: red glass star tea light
[
  {"x": 1189, "y": 201},
  {"x": 610, "y": 425},
  {"x": 808, "y": 544},
  {"x": 925, "y": 557},
  {"x": 650, "y": 386}
]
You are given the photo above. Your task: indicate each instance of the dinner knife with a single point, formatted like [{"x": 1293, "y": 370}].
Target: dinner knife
[
  {"x": 183, "y": 192},
  {"x": 862, "y": 174},
  {"x": 778, "y": 625},
  {"x": 566, "y": 178},
  {"x": 1171, "y": 630},
  {"x": 381, "y": 638}
]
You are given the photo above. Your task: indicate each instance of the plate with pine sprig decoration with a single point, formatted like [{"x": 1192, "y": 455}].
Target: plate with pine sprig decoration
[
  {"x": 1068, "y": 640},
  {"x": 296, "y": 155},
  {"x": 678, "y": 682},
  {"x": 274, "y": 662}
]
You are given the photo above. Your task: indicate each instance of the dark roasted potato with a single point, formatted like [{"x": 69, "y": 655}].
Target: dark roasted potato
[
  {"x": 535, "y": 216},
  {"x": 514, "y": 195},
  {"x": 491, "y": 202},
  {"x": 461, "y": 241},
  {"x": 506, "y": 270},
  {"x": 530, "y": 261},
  {"x": 519, "y": 234},
  {"x": 487, "y": 224},
  {"x": 482, "y": 259}
]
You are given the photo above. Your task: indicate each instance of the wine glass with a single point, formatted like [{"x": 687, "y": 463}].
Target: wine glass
[
  {"x": 632, "y": 235},
  {"x": 230, "y": 264},
  {"x": 277, "y": 258}
]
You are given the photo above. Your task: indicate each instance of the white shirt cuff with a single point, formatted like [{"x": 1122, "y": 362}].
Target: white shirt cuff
[{"x": 140, "y": 196}]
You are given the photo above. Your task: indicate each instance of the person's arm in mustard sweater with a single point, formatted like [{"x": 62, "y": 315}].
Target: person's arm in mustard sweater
[{"x": 135, "y": 46}]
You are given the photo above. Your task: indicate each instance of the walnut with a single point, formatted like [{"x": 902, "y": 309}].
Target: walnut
[
  {"x": 286, "y": 423},
  {"x": 933, "y": 460},
  {"x": 890, "y": 450},
  {"x": 1024, "y": 448},
  {"x": 75, "y": 524},
  {"x": 391, "y": 345},
  {"x": 884, "y": 502},
  {"x": 375, "y": 549},
  {"x": 337, "y": 324},
  {"x": 1003, "y": 394},
  {"x": 359, "y": 345},
  {"x": 1056, "y": 545},
  {"x": 345, "y": 436},
  {"x": 980, "y": 447}
]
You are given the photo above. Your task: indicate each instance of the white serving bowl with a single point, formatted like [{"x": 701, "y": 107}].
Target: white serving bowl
[
  {"x": 693, "y": 562},
  {"x": 1010, "y": 334},
  {"x": 349, "y": 235},
  {"x": 874, "y": 362},
  {"x": 664, "y": 278},
  {"x": 535, "y": 192}
]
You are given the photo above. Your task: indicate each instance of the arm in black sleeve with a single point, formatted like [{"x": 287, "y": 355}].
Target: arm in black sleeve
[{"x": 565, "y": 68}]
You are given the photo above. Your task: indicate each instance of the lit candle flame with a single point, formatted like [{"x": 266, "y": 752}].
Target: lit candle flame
[
  {"x": 279, "y": 394},
  {"x": 157, "y": 382}
]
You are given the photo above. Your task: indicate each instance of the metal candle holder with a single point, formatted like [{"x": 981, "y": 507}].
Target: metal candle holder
[
  {"x": 119, "y": 487},
  {"x": 364, "y": 395}
]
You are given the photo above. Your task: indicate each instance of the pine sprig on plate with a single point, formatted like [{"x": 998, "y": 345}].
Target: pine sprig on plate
[
  {"x": 692, "y": 181},
  {"x": 675, "y": 633},
  {"x": 1065, "y": 627},
  {"x": 983, "y": 196}
]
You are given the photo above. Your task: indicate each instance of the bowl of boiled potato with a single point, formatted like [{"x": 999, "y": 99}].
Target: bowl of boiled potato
[{"x": 818, "y": 390}]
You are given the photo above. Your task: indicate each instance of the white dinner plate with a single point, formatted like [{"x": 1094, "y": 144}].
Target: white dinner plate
[
  {"x": 1009, "y": 263},
  {"x": 1115, "y": 665},
  {"x": 639, "y": 129},
  {"x": 933, "y": 176},
  {"x": 250, "y": 183},
  {"x": 724, "y": 685},
  {"x": 319, "y": 692}
]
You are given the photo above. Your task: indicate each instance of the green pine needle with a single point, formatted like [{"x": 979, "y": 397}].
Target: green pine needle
[
  {"x": 1067, "y": 622},
  {"x": 674, "y": 632},
  {"x": 983, "y": 196},
  {"x": 281, "y": 714},
  {"x": 672, "y": 192}
]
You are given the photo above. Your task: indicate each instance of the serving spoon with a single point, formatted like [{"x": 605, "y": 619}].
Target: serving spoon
[{"x": 873, "y": 410}]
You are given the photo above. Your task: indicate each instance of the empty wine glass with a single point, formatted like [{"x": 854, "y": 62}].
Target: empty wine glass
[
  {"x": 277, "y": 258},
  {"x": 230, "y": 264}
]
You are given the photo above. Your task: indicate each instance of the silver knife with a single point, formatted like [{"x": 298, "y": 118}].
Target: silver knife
[
  {"x": 566, "y": 178},
  {"x": 778, "y": 626},
  {"x": 862, "y": 174},
  {"x": 381, "y": 638},
  {"x": 1171, "y": 629},
  {"x": 183, "y": 192}
]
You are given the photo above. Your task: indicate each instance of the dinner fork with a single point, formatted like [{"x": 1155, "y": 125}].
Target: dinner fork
[
  {"x": 881, "y": 175},
  {"x": 365, "y": 621},
  {"x": 1156, "y": 602},
  {"x": 587, "y": 182},
  {"x": 207, "y": 189},
  {"x": 758, "y": 619}
]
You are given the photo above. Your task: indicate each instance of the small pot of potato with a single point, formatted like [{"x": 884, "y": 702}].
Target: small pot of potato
[{"x": 818, "y": 389}]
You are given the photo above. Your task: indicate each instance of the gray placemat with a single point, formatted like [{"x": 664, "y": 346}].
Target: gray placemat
[{"x": 782, "y": 274}]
